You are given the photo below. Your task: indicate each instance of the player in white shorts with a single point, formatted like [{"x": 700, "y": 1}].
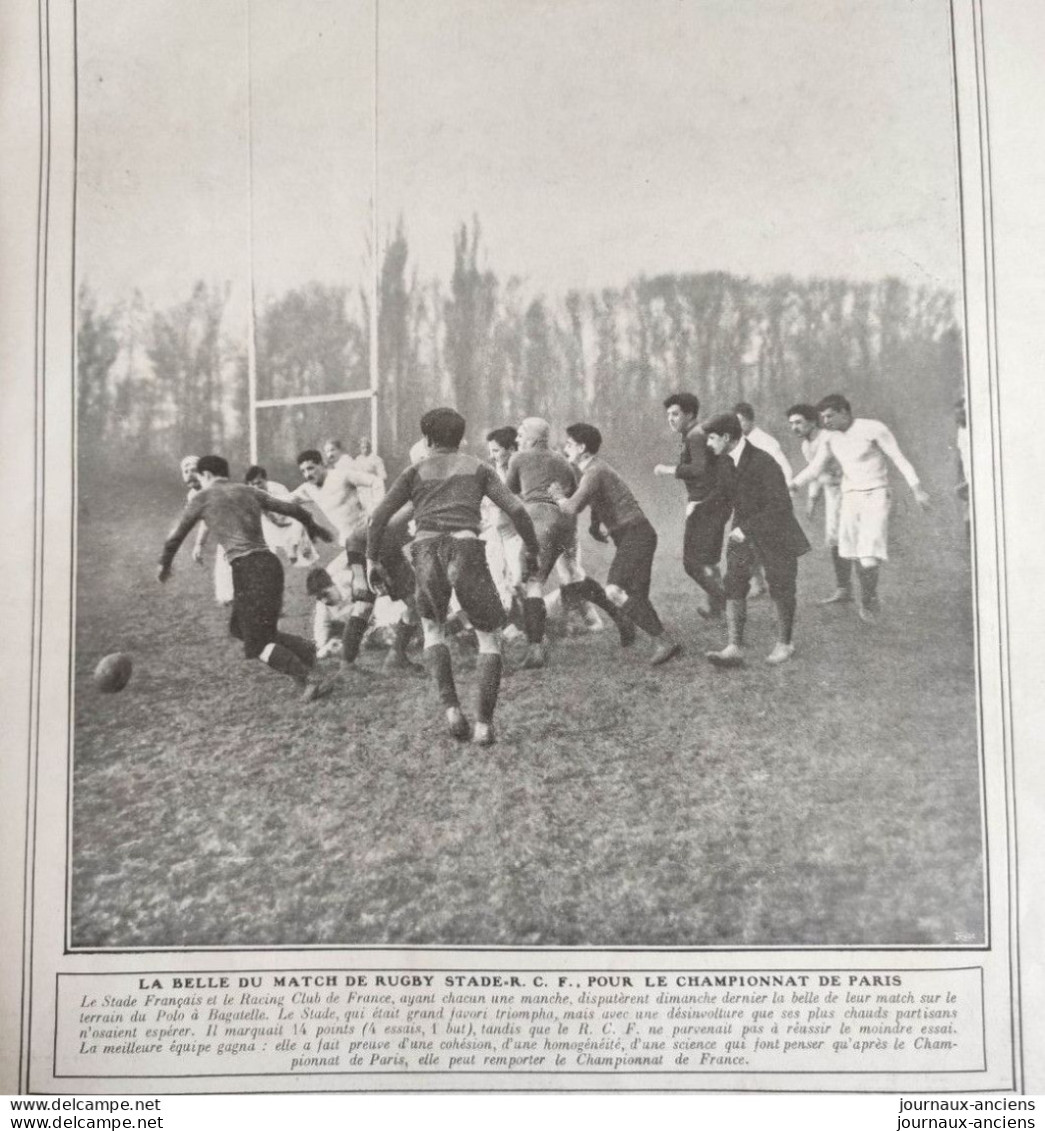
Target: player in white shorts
[
  {"x": 282, "y": 533},
  {"x": 335, "y": 491},
  {"x": 804, "y": 422},
  {"x": 861, "y": 447}
]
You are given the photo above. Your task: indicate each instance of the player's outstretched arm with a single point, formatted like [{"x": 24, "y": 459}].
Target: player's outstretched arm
[
  {"x": 193, "y": 513},
  {"x": 887, "y": 442},
  {"x": 399, "y": 495},
  {"x": 499, "y": 494}
]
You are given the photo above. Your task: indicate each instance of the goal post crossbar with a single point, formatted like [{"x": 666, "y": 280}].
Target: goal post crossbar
[{"x": 319, "y": 398}]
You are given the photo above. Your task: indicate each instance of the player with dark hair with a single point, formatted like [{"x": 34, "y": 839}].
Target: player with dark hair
[
  {"x": 764, "y": 530},
  {"x": 804, "y": 422},
  {"x": 539, "y": 477},
  {"x": 760, "y": 437},
  {"x": 232, "y": 512},
  {"x": 332, "y": 589},
  {"x": 281, "y": 533},
  {"x": 707, "y": 511},
  {"x": 335, "y": 491},
  {"x": 861, "y": 448},
  {"x": 504, "y": 548},
  {"x": 447, "y": 488},
  {"x": 614, "y": 507}
]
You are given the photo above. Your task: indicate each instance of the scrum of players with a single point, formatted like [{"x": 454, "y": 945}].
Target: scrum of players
[{"x": 456, "y": 540}]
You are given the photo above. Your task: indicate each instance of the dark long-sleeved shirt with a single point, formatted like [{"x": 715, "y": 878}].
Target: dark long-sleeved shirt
[
  {"x": 531, "y": 473},
  {"x": 697, "y": 466},
  {"x": 232, "y": 512},
  {"x": 447, "y": 490},
  {"x": 610, "y": 498}
]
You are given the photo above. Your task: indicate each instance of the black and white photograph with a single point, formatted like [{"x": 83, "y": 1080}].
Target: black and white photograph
[{"x": 522, "y": 478}]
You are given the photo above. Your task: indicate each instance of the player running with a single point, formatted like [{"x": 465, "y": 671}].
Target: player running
[
  {"x": 539, "y": 476},
  {"x": 707, "y": 511},
  {"x": 446, "y": 489},
  {"x": 804, "y": 422},
  {"x": 232, "y": 512},
  {"x": 614, "y": 507}
]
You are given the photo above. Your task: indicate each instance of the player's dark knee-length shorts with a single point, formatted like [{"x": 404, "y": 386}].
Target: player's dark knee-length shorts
[
  {"x": 632, "y": 565},
  {"x": 445, "y": 564},
  {"x": 257, "y": 600}
]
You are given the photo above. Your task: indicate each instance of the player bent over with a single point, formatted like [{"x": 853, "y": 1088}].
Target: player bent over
[
  {"x": 447, "y": 488},
  {"x": 338, "y": 627},
  {"x": 232, "y": 512},
  {"x": 614, "y": 507},
  {"x": 539, "y": 476},
  {"x": 765, "y": 531}
]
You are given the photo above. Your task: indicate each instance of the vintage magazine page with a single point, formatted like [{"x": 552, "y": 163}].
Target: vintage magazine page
[{"x": 264, "y": 831}]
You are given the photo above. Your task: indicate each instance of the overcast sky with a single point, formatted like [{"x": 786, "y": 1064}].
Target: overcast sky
[{"x": 595, "y": 139}]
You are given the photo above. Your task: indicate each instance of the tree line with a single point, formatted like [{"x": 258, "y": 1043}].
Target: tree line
[{"x": 159, "y": 383}]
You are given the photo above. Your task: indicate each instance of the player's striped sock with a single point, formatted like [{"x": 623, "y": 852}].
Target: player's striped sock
[
  {"x": 437, "y": 660},
  {"x": 488, "y": 669}
]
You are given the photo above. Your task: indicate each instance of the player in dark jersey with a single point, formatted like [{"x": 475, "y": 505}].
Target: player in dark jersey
[
  {"x": 232, "y": 512},
  {"x": 447, "y": 488},
  {"x": 707, "y": 510},
  {"x": 538, "y": 476},
  {"x": 614, "y": 507}
]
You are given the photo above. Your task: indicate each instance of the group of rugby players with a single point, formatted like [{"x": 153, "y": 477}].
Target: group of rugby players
[{"x": 456, "y": 534}]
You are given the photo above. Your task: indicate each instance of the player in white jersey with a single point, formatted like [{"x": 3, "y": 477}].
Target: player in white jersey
[
  {"x": 282, "y": 533},
  {"x": 761, "y": 438},
  {"x": 335, "y": 491},
  {"x": 863, "y": 449},
  {"x": 368, "y": 460},
  {"x": 804, "y": 422}
]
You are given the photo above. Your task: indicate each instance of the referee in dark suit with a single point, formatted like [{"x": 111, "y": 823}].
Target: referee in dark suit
[{"x": 764, "y": 530}]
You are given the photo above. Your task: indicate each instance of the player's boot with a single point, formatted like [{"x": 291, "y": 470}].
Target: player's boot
[
  {"x": 484, "y": 735},
  {"x": 667, "y": 649},
  {"x": 732, "y": 656},
  {"x": 840, "y": 596},
  {"x": 781, "y": 653},
  {"x": 457, "y": 723}
]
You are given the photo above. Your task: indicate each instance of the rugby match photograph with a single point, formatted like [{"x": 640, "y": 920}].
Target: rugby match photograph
[{"x": 522, "y": 478}]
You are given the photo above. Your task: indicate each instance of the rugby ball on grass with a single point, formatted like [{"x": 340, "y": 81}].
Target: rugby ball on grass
[{"x": 113, "y": 672}]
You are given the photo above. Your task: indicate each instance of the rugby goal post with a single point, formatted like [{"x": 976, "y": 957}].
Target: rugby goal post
[{"x": 255, "y": 405}]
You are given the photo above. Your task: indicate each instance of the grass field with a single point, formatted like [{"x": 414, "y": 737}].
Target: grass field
[{"x": 832, "y": 801}]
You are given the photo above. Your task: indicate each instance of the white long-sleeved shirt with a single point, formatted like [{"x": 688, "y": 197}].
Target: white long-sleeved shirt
[
  {"x": 339, "y": 498},
  {"x": 759, "y": 438},
  {"x": 861, "y": 452}
]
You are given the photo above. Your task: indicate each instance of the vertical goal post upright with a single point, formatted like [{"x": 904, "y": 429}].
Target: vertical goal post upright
[{"x": 254, "y": 404}]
